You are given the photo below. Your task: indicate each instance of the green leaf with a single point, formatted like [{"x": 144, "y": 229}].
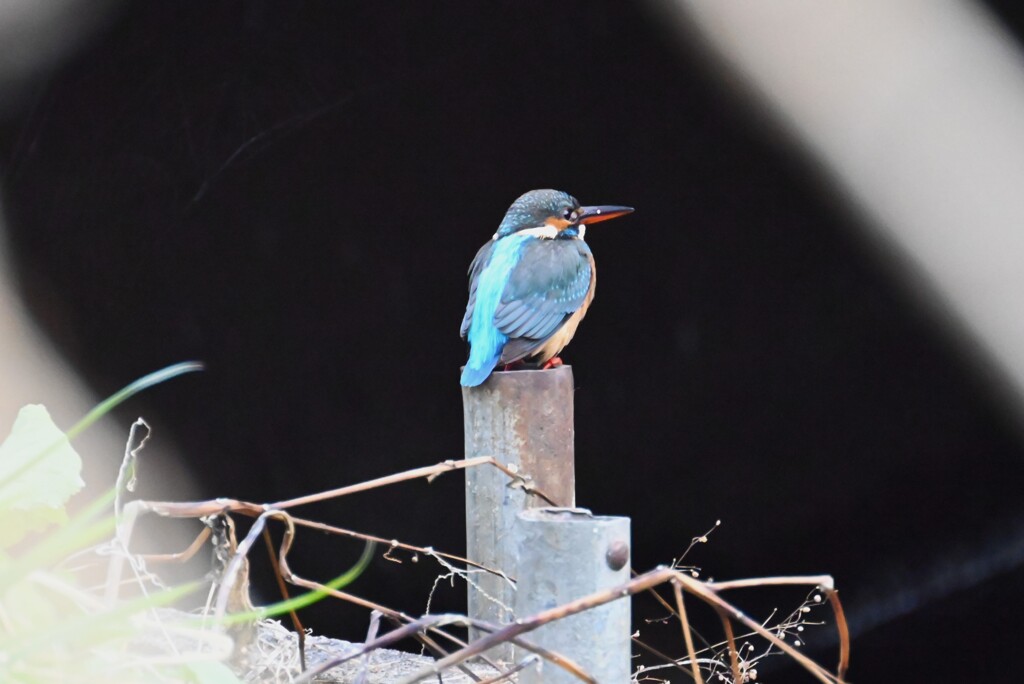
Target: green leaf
[
  {"x": 123, "y": 394},
  {"x": 39, "y": 472}
]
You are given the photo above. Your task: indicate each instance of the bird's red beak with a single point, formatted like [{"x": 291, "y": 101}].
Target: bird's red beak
[{"x": 588, "y": 215}]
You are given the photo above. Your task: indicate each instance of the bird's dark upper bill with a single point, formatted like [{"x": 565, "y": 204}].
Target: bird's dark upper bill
[{"x": 590, "y": 215}]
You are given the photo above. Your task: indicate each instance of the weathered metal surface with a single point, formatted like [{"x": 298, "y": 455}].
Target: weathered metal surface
[
  {"x": 565, "y": 554},
  {"x": 524, "y": 419}
]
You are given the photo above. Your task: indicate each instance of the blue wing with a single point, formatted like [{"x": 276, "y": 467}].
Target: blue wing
[{"x": 552, "y": 280}]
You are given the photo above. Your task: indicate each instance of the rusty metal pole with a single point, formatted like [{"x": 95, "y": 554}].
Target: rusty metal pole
[
  {"x": 524, "y": 419},
  {"x": 565, "y": 554}
]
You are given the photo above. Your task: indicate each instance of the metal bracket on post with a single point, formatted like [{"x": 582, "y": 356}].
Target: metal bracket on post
[
  {"x": 524, "y": 419},
  {"x": 565, "y": 554}
]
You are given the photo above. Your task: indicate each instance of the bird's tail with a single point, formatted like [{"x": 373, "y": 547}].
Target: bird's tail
[{"x": 475, "y": 373}]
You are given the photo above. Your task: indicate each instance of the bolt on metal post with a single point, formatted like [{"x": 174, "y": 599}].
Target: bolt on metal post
[{"x": 565, "y": 554}]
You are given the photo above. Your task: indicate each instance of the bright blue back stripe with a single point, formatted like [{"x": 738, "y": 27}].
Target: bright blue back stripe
[{"x": 485, "y": 340}]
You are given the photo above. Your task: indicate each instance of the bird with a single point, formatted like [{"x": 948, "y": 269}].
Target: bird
[{"x": 531, "y": 284}]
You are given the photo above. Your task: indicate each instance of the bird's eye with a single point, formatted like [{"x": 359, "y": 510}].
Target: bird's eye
[{"x": 569, "y": 215}]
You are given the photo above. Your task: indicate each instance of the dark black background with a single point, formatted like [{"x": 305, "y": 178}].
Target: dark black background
[{"x": 291, "y": 192}]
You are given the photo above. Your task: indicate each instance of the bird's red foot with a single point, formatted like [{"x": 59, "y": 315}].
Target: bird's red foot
[
  {"x": 553, "y": 362},
  {"x": 515, "y": 365}
]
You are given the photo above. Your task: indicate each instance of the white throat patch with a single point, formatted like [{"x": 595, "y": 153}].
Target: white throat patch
[{"x": 546, "y": 231}]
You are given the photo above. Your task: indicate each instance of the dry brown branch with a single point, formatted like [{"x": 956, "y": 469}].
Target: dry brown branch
[
  {"x": 823, "y": 581},
  {"x": 181, "y": 556},
  {"x": 282, "y": 586},
  {"x": 672, "y": 612},
  {"x": 844, "y": 633},
  {"x": 425, "y": 550},
  {"x": 687, "y": 635},
  {"x": 666, "y": 659},
  {"x": 429, "y": 472},
  {"x": 200, "y": 509},
  {"x": 734, "y": 654}
]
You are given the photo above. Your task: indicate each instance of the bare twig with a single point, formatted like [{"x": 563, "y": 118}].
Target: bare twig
[
  {"x": 424, "y": 550},
  {"x": 668, "y": 660},
  {"x": 127, "y": 474},
  {"x": 844, "y": 633},
  {"x": 734, "y": 654},
  {"x": 823, "y": 581},
  {"x": 300, "y": 630},
  {"x": 231, "y": 574},
  {"x": 197, "y": 509},
  {"x": 181, "y": 556},
  {"x": 687, "y": 635},
  {"x": 429, "y": 472}
]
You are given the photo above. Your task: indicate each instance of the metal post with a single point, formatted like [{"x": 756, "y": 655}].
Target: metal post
[
  {"x": 524, "y": 419},
  {"x": 565, "y": 554}
]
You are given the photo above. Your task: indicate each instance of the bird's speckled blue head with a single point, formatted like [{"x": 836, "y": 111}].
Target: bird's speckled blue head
[{"x": 537, "y": 208}]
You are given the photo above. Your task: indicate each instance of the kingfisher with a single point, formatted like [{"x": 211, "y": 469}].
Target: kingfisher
[{"x": 531, "y": 284}]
